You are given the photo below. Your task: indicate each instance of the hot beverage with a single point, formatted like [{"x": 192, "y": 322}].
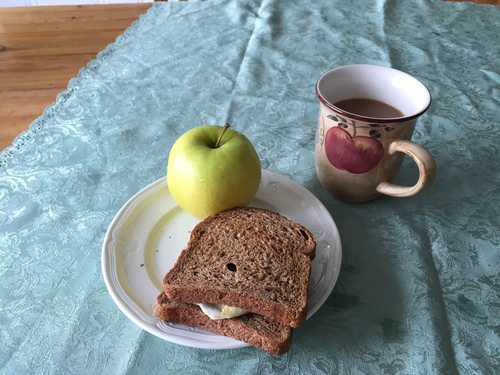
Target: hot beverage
[{"x": 369, "y": 108}]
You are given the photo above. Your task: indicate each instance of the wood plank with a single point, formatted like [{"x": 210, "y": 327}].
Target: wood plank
[{"x": 42, "y": 48}]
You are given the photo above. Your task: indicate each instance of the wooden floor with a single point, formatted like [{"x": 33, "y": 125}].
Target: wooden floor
[{"x": 42, "y": 48}]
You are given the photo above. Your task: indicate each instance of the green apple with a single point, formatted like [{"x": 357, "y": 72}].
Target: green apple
[{"x": 211, "y": 169}]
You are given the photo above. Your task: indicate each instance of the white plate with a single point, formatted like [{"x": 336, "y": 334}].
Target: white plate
[{"x": 150, "y": 230}]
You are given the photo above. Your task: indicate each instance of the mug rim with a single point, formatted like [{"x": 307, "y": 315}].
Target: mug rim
[{"x": 379, "y": 120}]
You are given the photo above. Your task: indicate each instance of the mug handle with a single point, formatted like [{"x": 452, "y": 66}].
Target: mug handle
[{"x": 426, "y": 167}]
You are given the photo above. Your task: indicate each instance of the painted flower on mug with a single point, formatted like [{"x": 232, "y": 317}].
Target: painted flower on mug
[{"x": 352, "y": 153}]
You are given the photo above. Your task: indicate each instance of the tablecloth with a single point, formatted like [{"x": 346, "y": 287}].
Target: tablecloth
[{"x": 419, "y": 287}]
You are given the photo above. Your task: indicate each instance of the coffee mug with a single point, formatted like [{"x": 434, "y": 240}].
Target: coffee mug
[{"x": 366, "y": 119}]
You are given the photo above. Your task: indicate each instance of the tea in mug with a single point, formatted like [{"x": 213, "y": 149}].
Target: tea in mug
[{"x": 368, "y": 108}]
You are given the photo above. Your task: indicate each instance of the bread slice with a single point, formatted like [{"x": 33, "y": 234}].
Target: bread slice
[
  {"x": 256, "y": 330},
  {"x": 250, "y": 258}
]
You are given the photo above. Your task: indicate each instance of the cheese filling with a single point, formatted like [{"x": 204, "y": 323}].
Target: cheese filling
[{"x": 214, "y": 311}]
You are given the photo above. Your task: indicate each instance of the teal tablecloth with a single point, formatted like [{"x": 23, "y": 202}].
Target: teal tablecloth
[{"x": 419, "y": 288}]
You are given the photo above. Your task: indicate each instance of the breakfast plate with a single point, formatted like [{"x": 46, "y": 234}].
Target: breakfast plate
[{"x": 148, "y": 233}]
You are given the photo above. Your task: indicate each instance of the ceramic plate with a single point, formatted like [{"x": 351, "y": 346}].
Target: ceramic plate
[{"x": 150, "y": 230}]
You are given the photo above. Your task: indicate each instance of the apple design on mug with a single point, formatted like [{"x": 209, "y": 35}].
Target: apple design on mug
[{"x": 355, "y": 154}]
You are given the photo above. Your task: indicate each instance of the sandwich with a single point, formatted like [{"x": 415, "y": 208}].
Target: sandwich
[
  {"x": 253, "y": 329},
  {"x": 244, "y": 274}
]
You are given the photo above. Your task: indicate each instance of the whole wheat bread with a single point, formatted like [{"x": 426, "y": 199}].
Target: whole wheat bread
[
  {"x": 250, "y": 258},
  {"x": 255, "y": 330}
]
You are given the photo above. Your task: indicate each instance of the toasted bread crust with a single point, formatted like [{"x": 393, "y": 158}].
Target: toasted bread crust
[
  {"x": 248, "y": 257},
  {"x": 255, "y": 330}
]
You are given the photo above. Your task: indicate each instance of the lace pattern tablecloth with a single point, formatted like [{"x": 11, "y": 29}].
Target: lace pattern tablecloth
[{"x": 419, "y": 288}]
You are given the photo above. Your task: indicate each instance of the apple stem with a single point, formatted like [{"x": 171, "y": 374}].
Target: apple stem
[{"x": 226, "y": 126}]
